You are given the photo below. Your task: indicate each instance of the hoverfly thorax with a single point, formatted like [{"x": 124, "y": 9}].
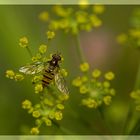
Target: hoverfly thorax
[{"x": 56, "y": 58}]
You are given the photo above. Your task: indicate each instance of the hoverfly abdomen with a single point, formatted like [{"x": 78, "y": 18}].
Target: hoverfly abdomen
[{"x": 48, "y": 77}]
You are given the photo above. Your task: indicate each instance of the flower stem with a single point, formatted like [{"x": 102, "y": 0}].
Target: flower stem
[
  {"x": 79, "y": 49},
  {"x": 29, "y": 51},
  {"x": 132, "y": 116}
]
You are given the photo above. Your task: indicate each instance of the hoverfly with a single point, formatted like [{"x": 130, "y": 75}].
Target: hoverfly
[{"x": 50, "y": 71}]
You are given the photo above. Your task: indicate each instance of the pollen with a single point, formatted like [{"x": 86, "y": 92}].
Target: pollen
[{"x": 23, "y": 42}]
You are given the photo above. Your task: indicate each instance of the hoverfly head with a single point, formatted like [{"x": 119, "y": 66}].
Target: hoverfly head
[{"x": 57, "y": 56}]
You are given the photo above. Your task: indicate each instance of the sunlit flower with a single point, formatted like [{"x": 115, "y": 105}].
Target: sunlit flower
[{"x": 36, "y": 114}]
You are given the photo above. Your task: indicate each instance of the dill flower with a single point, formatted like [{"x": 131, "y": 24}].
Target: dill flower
[
  {"x": 58, "y": 115},
  {"x": 48, "y": 122},
  {"x": 107, "y": 100},
  {"x": 96, "y": 73},
  {"x": 122, "y": 38},
  {"x": 50, "y": 35},
  {"x": 98, "y": 9},
  {"x": 34, "y": 131},
  {"x": 38, "y": 88},
  {"x": 42, "y": 49},
  {"x": 60, "y": 106},
  {"x": 26, "y": 104},
  {"x": 23, "y": 42},
  {"x": 94, "y": 91},
  {"x": 74, "y": 20},
  {"x": 10, "y": 74},
  {"x": 36, "y": 114},
  {"x": 19, "y": 77},
  {"x": 84, "y": 67},
  {"x": 44, "y": 16},
  {"x": 77, "y": 82},
  {"x": 109, "y": 75}
]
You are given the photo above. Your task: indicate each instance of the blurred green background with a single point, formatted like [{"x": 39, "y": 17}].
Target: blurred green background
[{"x": 18, "y": 21}]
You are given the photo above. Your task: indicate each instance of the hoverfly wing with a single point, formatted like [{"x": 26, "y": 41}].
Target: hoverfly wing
[
  {"x": 32, "y": 68},
  {"x": 61, "y": 83}
]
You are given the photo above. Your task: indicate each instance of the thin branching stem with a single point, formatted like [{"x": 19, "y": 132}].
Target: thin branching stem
[
  {"x": 79, "y": 49},
  {"x": 29, "y": 51},
  {"x": 129, "y": 123}
]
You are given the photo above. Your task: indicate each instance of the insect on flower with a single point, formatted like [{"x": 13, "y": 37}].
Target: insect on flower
[{"x": 50, "y": 71}]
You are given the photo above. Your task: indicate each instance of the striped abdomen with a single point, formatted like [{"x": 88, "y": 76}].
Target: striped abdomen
[{"x": 48, "y": 76}]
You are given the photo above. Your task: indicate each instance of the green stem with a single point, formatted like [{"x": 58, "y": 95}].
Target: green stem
[
  {"x": 29, "y": 51},
  {"x": 132, "y": 117},
  {"x": 79, "y": 49}
]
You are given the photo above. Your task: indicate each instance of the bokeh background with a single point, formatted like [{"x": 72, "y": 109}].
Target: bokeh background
[{"x": 101, "y": 50}]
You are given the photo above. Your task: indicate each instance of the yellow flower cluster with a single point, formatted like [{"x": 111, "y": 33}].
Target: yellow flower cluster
[
  {"x": 132, "y": 37},
  {"x": 15, "y": 76},
  {"x": 136, "y": 96},
  {"x": 95, "y": 92},
  {"x": 73, "y": 19}
]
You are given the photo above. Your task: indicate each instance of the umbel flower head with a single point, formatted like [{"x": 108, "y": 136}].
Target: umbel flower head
[
  {"x": 95, "y": 91},
  {"x": 51, "y": 104},
  {"x": 73, "y": 19},
  {"x": 132, "y": 37}
]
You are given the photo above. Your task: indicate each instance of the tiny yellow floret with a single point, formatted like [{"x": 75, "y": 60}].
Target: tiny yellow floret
[
  {"x": 44, "y": 16},
  {"x": 34, "y": 131},
  {"x": 26, "y": 104},
  {"x": 50, "y": 35},
  {"x": 84, "y": 67},
  {"x": 96, "y": 73},
  {"x": 10, "y": 74},
  {"x": 19, "y": 77},
  {"x": 58, "y": 115},
  {"x": 42, "y": 48},
  {"x": 23, "y": 42},
  {"x": 38, "y": 88},
  {"x": 36, "y": 114},
  {"x": 107, "y": 100},
  {"x": 109, "y": 76},
  {"x": 98, "y": 9}
]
